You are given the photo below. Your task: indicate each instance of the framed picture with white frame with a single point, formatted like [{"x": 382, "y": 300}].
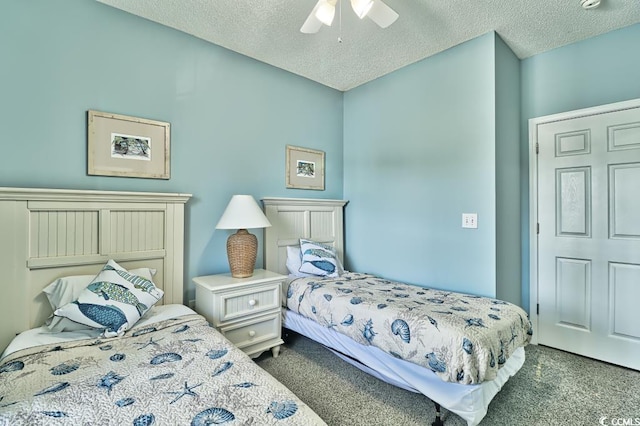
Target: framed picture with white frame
[{"x": 305, "y": 168}]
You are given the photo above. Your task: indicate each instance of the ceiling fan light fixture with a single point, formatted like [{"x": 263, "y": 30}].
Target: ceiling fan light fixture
[
  {"x": 361, "y": 7},
  {"x": 325, "y": 13}
]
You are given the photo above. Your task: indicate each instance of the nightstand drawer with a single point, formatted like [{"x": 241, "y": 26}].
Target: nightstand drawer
[
  {"x": 253, "y": 331},
  {"x": 249, "y": 301}
]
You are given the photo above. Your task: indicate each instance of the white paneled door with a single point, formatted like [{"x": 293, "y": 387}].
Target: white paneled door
[{"x": 588, "y": 240}]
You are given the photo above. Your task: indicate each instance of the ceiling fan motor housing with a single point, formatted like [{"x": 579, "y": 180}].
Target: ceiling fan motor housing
[{"x": 589, "y": 4}]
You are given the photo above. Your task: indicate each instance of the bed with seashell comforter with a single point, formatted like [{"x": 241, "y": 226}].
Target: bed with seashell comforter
[
  {"x": 175, "y": 371},
  {"x": 462, "y": 338},
  {"x": 456, "y": 349},
  {"x": 93, "y": 329}
]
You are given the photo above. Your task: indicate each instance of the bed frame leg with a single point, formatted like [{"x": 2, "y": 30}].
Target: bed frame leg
[{"x": 438, "y": 420}]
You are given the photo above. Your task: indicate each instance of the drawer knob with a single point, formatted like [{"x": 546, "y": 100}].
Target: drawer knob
[
  {"x": 252, "y": 302},
  {"x": 252, "y": 333}
]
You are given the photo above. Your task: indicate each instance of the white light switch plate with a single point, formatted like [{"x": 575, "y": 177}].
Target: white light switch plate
[{"x": 469, "y": 220}]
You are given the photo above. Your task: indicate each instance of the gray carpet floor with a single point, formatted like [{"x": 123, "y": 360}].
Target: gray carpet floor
[{"x": 552, "y": 388}]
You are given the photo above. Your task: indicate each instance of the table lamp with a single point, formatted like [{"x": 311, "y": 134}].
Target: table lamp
[{"x": 242, "y": 213}]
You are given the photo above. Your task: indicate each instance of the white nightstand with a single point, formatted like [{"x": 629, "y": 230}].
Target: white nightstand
[{"x": 245, "y": 310}]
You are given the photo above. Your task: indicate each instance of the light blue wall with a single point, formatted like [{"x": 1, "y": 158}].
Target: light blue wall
[
  {"x": 507, "y": 95},
  {"x": 231, "y": 116},
  {"x": 597, "y": 71},
  {"x": 407, "y": 190},
  {"x": 419, "y": 151}
]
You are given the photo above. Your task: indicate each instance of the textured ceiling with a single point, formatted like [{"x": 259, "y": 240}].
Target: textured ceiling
[{"x": 269, "y": 30}]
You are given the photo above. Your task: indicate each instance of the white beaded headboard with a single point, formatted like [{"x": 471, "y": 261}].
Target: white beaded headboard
[
  {"x": 46, "y": 234},
  {"x": 294, "y": 218}
]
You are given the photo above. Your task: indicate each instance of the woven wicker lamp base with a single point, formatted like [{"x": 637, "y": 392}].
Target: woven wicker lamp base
[{"x": 242, "y": 249}]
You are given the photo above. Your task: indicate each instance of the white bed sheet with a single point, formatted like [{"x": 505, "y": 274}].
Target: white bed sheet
[
  {"x": 468, "y": 401},
  {"x": 42, "y": 335}
]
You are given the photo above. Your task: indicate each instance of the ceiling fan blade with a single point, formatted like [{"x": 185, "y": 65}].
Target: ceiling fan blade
[
  {"x": 382, "y": 14},
  {"x": 312, "y": 25}
]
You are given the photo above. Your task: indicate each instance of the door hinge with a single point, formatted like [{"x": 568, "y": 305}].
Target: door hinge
[
  {"x": 538, "y": 309},
  {"x": 538, "y": 228},
  {"x": 537, "y": 148}
]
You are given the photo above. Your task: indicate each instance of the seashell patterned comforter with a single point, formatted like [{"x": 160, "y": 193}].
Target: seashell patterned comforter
[
  {"x": 460, "y": 337},
  {"x": 175, "y": 372}
]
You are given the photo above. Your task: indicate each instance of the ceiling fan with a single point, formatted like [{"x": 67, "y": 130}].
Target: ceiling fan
[{"x": 325, "y": 10}]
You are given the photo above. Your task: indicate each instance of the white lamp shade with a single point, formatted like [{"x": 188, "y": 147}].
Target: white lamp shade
[{"x": 243, "y": 212}]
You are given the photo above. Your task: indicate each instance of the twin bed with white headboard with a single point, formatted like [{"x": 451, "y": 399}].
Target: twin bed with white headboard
[
  {"x": 46, "y": 234},
  {"x": 423, "y": 340},
  {"x": 115, "y": 261}
]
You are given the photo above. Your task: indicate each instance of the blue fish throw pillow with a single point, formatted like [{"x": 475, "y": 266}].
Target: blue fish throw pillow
[
  {"x": 319, "y": 259},
  {"x": 114, "y": 301}
]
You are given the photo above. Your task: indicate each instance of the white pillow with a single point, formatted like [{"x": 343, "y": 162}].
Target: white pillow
[
  {"x": 67, "y": 289},
  {"x": 294, "y": 262},
  {"x": 319, "y": 259},
  {"x": 114, "y": 301}
]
